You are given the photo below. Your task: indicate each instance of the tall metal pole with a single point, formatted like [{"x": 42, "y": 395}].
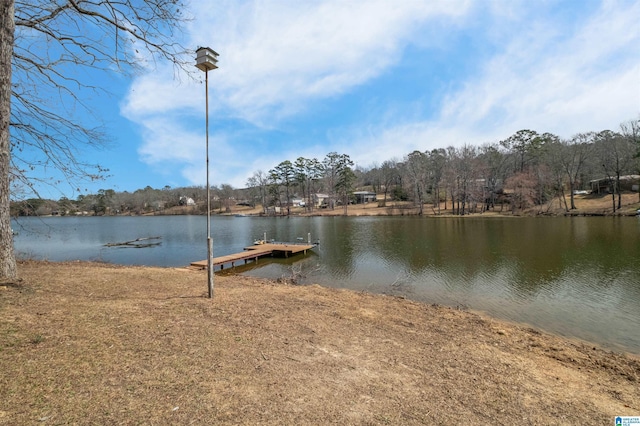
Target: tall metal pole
[
  {"x": 207, "y": 59},
  {"x": 209, "y": 241}
]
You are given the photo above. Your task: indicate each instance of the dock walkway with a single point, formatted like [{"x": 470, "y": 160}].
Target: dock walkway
[{"x": 255, "y": 252}]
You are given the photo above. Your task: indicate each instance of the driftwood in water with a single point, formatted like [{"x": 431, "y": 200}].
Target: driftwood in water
[{"x": 137, "y": 243}]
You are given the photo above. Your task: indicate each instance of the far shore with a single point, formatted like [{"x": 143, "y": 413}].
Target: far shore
[{"x": 586, "y": 205}]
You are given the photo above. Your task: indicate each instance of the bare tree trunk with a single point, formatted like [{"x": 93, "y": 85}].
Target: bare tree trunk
[
  {"x": 572, "y": 189},
  {"x": 619, "y": 190},
  {"x": 8, "y": 268},
  {"x": 612, "y": 186},
  {"x": 445, "y": 201},
  {"x": 564, "y": 199}
]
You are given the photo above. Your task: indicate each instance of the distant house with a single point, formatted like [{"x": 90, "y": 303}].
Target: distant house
[
  {"x": 605, "y": 185},
  {"x": 320, "y": 200},
  {"x": 187, "y": 201},
  {"x": 363, "y": 197}
]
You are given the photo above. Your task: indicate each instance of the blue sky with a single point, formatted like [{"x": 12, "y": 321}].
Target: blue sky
[{"x": 371, "y": 79}]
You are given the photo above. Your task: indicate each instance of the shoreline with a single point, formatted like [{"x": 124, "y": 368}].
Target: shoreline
[
  {"x": 586, "y": 205},
  {"x": 95, "y": 343}
]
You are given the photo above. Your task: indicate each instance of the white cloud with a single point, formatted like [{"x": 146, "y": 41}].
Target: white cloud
[
  {"x": 158, "y": 93},
  {"x": 280, "y": 60},
  {"x": 545, "y": 78},
  {"x": 275, "y": 58}
]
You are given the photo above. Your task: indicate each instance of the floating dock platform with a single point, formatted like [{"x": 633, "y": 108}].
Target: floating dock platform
[{"x": 256, "y": 251}]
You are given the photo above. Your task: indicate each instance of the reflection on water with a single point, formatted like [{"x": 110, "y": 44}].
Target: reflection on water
[{"x": 575, "y": 276}]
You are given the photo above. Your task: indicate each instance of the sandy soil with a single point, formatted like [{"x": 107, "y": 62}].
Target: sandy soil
[{"x": 84, "y": 343}]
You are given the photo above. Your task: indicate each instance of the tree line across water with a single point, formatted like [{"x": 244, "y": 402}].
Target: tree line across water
[{"x": 524, "y": 170}]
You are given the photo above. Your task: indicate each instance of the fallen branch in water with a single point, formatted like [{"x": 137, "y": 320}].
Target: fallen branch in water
[{"x": 137, "y": 243}]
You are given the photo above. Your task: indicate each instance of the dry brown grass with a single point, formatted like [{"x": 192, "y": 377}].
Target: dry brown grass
[
  {"x": 84, "y": 343},
  {"x": 585, "y": 205},
  {"x": 592, "y": 204}
]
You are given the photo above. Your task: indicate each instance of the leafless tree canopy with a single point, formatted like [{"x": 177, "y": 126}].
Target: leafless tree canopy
[
  {"x": 62, "y": 47},
  {"x": 51, "y": 54}
]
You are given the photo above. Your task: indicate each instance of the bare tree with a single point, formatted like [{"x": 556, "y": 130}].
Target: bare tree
[
  {"x": 8, "y": 268},
  {"x": 388, "y": 175},
  {"x": 616, "y": 155},
  {"x": 523, "y": 190},
  {"x": 556, "y": 169},
  {"x": 51, "y": 45},
  {"x": 460, "y": 172},
  {"x": 226, "y": 193},
  {"x": 494, "y": 170},
  {"x": 437, "y": 160},
  {"x": 416, "y": 167},
  {"x": 631, "y": 130},
  {"x": 259, "y": 182},
  {"x": 333, "y": 164},
  {"x": 573, "y": 157}
]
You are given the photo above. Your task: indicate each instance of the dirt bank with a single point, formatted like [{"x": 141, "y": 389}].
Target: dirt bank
[
  {"x": 586, "y": 205},
  {"x": 97, "y": 344}
]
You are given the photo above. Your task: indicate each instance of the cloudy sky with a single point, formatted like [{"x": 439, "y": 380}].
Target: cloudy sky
[{"x": 373, "y": 79}]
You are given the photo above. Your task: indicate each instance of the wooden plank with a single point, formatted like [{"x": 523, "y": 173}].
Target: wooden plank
[{"x": 256, "y": 251}]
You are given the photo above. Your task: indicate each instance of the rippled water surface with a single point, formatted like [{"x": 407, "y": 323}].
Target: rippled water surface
[{"x": 578, "y": 277}]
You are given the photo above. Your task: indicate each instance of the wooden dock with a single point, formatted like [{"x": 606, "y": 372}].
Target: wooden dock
[{"x": 254, "y": 252}]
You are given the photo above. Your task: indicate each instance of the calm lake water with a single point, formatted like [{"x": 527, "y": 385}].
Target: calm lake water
[{"x": 578, "y": 277}]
